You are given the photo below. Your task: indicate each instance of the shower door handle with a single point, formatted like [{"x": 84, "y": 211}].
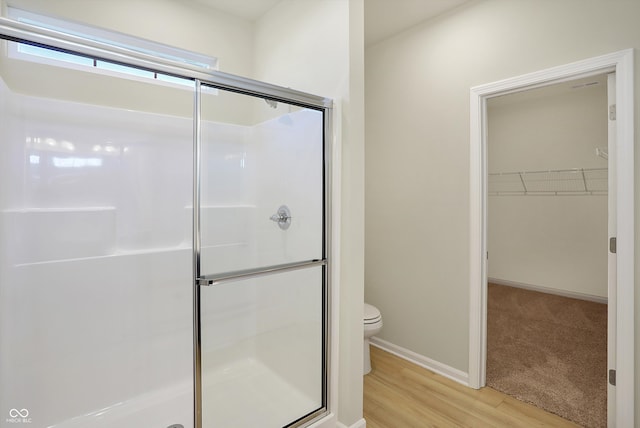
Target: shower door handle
[{"x": 224, "y": 277}]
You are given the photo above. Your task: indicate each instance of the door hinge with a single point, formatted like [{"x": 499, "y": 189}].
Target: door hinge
[
  {"x": 612, "y": 377},
  {"x": 612, "y": 244},
  {"x": 612, "y": 112}
]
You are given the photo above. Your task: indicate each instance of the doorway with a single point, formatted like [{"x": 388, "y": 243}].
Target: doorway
[
  {"x": 546, "y": 238},
  {"x": 621, "y": 344}
]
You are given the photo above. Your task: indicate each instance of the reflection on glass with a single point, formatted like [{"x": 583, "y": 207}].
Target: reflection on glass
[{"x": 75, "y": 162}]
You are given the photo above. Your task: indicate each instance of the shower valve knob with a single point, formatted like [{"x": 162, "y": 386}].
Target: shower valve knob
[{"x": 282, "y": 217}]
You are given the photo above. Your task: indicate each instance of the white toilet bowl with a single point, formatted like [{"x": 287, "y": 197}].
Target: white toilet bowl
[{"x": 372, "y": 326}]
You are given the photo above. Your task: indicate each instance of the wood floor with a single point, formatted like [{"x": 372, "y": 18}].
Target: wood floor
[{"x": 400, "y": 394}]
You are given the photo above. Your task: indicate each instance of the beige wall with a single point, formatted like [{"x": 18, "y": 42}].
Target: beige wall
[
  {"x": 556, "y": 242},
  {"x": 417, "y": 150}
]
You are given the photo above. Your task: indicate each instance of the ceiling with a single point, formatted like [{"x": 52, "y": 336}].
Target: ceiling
[
  {"x": 383, "y": 18},
  {"x": 247, "y": 9}
]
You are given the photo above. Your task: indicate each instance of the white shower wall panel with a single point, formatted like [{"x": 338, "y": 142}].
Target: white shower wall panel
[
  {"x": 48, "y": 234},
  {"x": 69, "y": 155},
  {"x": 237, "y": 313},
  {"x": 95, "y": 260},
  {"x": 83, "y": 335},
  {"x": 227, "y": 173},
  {"x": 227, "y": 198},
  {"x": 289, "y": 151},
  {"x": 254, "y": 169}
]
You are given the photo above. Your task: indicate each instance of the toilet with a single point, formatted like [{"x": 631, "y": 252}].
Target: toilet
[{"x": 372, "y": 326}]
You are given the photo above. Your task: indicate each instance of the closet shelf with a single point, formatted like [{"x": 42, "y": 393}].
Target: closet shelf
[{"x": 560, "y": 182}]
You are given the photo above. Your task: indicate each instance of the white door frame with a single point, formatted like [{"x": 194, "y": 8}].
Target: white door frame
[
  {"x": 622, "y": 63},
  {"x": 612, "y": 260}
]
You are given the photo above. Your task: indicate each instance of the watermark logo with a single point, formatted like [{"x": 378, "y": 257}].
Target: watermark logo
[{"x": 18, "y": 416}]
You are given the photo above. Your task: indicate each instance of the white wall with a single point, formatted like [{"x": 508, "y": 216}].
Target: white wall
[
  {"x": 300, "y": 39},
  {"x": 417, "y": 111},
  {"x": 554, "y": 242}
]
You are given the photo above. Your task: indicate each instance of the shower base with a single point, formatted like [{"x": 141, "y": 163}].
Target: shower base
[
  {"x": 243, "y": 394},
  {"x": 248, "y": 394}
]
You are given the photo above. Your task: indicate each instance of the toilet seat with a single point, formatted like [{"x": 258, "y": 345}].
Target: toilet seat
[{"x": 371, "y": 314}]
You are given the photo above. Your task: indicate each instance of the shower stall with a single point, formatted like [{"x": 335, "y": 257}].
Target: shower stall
[{"x": 164, "y": 244}]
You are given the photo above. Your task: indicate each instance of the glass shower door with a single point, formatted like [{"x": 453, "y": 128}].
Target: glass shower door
[{"x": 262, "y": 253}]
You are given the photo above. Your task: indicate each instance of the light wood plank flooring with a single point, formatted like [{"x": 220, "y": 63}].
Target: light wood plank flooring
[{"x": 400, "y": 394}]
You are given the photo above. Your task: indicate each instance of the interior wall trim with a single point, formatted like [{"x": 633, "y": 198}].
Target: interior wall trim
[
  {"x": 422, "y": 361},
  {"x": 548, "y": 290},
  {"x": 359, "y": 424}
]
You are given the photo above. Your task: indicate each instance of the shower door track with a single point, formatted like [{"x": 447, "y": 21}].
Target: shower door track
[{"x": 20, "y": 32}]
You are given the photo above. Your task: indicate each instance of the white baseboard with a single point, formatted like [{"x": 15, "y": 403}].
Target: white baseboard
[
  {"x": 360, "y": 424},
  {"x": 563, "y": 293},
  {"x": 429, "y": 364}
]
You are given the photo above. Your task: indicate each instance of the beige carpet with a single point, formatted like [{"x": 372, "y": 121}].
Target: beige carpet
[{"x": 550, "y": 351}]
